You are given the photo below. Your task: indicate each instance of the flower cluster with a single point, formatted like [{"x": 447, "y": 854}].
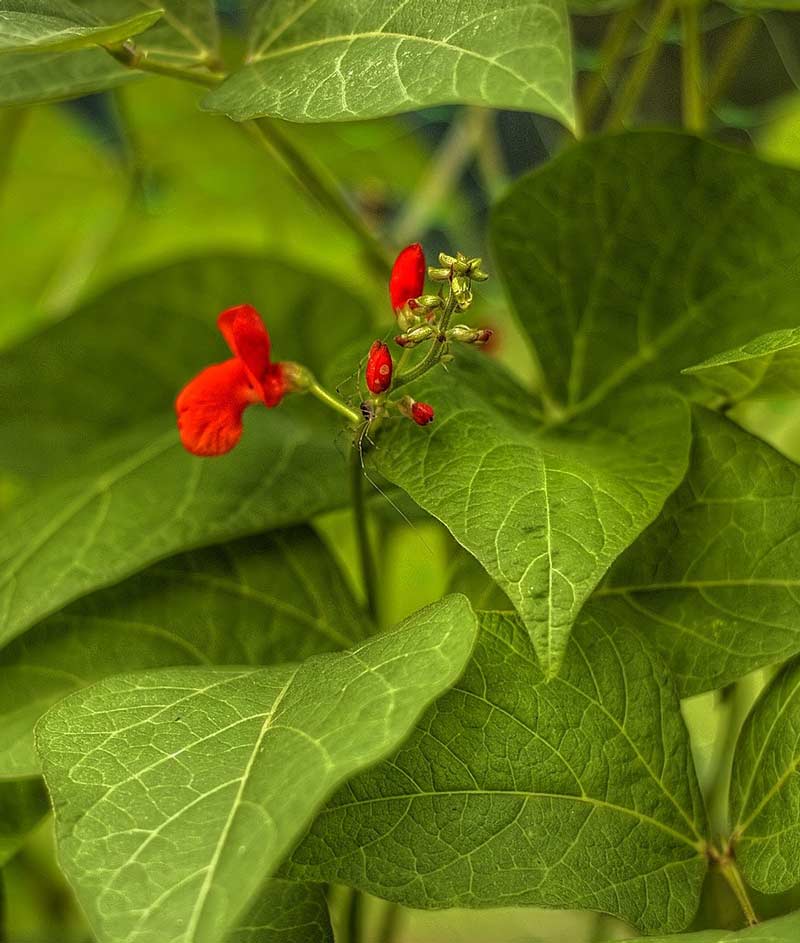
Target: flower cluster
[{"x": 210, "y": 407}]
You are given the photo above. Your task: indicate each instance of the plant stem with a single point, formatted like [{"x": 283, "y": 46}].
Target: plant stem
[
  {"x": 436, "y": 349},
  {"x": 446, "y": 168},
  {"x": 733, "y": 876},
  {"x": 318, "y": 182},
  {"x": 311, "y": 175},
  {"x": 611, "y": 52},
  {"x": 355, "y": 917},
  {"x": 692, "y": 99},
  {"x": 326, "y": 397},
  {"x": 128, "y": 55},
  {"x": 736, "y": 45},
  {"x": 636, "y": 80},
  {"x": 388, "y": 928},
  {"x": 369, "y": 576}
]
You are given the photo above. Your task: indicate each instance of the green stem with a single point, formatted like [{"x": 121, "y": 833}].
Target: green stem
[
  {"x": 325, "y": 190},
  {"x": 3, "y": 910},
  {"x": 737, "y": 43},
  {"x": 326, "y": 397},
  {"x": 692, "y": 99},
  {"x": 128, "y": 55},
  {"x": 369, "y": 576},
  {"x": 436, "y": 349},
  {"x": 313, "y": 177},
  {"x": 444, "y": 172},
  {"x": 636, "y": 80},
  {"x": 611, "y": 53},
  {"x": 733, "y": 876},
  {"x": 388, "y": 927}
]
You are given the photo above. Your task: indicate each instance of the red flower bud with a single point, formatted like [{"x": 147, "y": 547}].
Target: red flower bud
[
  {"x": 379, "y": 368},
  {"x": 407, "y": 280},
  {"x": 422, "y": 413}
]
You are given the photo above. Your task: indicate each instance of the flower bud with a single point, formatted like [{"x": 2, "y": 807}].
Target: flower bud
[
  {"x": 407, "y": 280},
  {"x": 462, "y": 291},
  {"x": 379, "y": 368},
  {"x": 422, "y": 413},
  {"x": 438, "y": 274},
  {"x": 446, "y": 261},
  {"x": 468, "y": 335},
  {"x": 414, "y": 336}
]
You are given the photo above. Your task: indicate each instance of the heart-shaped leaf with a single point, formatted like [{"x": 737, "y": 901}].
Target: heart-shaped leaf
[
  {"x": 257, "y": 601},
  {"x": 34, "y": 25},
  {"x": 765, "y": 787},
  {"x": 546, "y": 510},
  {"x": 630, "y": 257},
  {"x": 333, "y": 61},
  {"x": 713, "y": 582},
  {"x": 578, "y": 792},
  {"x": 178, "y": 792}
]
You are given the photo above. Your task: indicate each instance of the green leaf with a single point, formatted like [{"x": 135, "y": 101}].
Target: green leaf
[
  {"x": 34, "y": 25},
  {"x": 286, "y": 912},
  {"x": 713, "y": 582},
  {"x": 52, "y": 76},
  {"x": 630, "y": 257},
  {"x": 185, "y": 35},
  {"x": 23, "y": 804},
  {"x": 766, "y": 367},
  {"x": 765, "y": 787},
  {"x": 124, "y": 355},
  {"x": 545, "y": 510},
  {"x": 782, "y": 930},
  {"x": 178, "y": 792},
  {"x": 334, "y": 61},
  {"x": 517, "y": 791},
  {"x": 256, "y": 601},
  {"x": 142, "y": 498}
]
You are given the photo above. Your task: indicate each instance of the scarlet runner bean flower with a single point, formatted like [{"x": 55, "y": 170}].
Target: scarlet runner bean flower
[
  {"x": 379, "y": 368},
  {"x": 210, "y": 407},
  {"x": 408, "y": 276}
]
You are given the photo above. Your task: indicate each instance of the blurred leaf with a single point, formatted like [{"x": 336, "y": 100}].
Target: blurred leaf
[
  {"x": 262, "y": 600},
  {"x": 632, "y": 256},
  {"x": 783, "y": 930},
  {"x": 34, "y": 25},
  {"x": 334, "y": 61},
  {"x": 513, "y": 790},
  {"x": 178, "y": 792},
  {"x": 141, "y": 498},
  {"x": 23, "y": 804},
  {"x": 545, "y": 510},
  {"x": 713, "y": 582},
  {"x": 764, "y": 368},
  {"x": 286, "y": 913},
  {"x": 50, "y": 76},
  {"x": 123, "y": 356},
  {"x": 765, "y": 787},
  {"x": 74, "y": 221}
]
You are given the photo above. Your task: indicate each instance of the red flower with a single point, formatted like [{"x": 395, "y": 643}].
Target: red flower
[
  {"x": 422, "y": 413},
  {"x": 210, "y": 406},
  {"x": 379, "y": 368},
  {"x": 408, "y": 276}
]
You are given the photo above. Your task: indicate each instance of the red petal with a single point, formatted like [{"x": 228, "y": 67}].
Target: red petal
[
  {"x": 408, "y": 276},
  {"x": 247, "y": 338},
  {"x": 210, "y": 408},
  {"x": 275, "y": 386}
]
